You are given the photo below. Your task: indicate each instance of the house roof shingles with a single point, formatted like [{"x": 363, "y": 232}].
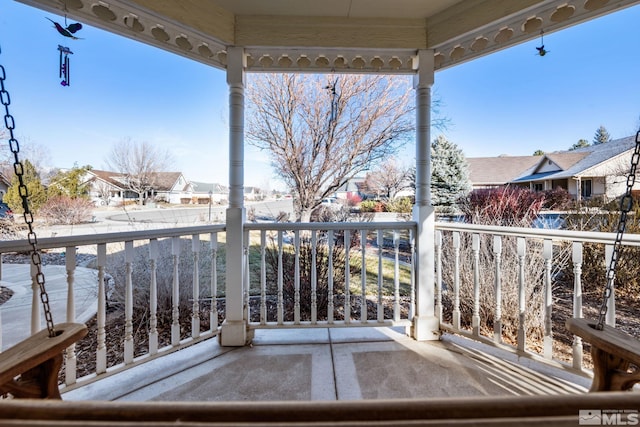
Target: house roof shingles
[
  {"x": 592, "y": 156},
  {"x": 499, "y": 170}
]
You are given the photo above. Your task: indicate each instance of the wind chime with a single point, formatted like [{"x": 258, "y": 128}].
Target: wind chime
[
  {"x": 66, "y": 31},
  {"x": 64, "y": 72}
]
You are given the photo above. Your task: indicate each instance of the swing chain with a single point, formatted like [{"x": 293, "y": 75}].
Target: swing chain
[
  {"x": 36, "y": 260},
  {"x": 626, "y": 203}
]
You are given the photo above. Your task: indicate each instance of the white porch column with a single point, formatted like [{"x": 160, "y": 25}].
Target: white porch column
[
  {"x": 425, "y": 324},
  {"x": 233, "y": 330},
  {"x": 578, "y": 188}
]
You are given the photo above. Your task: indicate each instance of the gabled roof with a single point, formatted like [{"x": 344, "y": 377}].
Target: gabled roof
[
  {"x": 565, "y": 159},
  {"x": 165, "y": 181},
  {"x": 486, "y": 171},
  {"x": 111, "y": 178},
  {"x": 205, "y": 187},
  {"x": 580, "y": 162}
]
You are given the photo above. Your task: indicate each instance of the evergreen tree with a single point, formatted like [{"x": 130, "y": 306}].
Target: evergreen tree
[
  {"x": 37, "y": 194},
  {"x": 601, "y": 136},
  {"x": 538, "y": 153},
  {"x": 449, "y": 173},
  {"x": 581, "y": 143},
  {"x": 69, "y": 183}
]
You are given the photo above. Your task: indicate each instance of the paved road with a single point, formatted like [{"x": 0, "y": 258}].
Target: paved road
[
  {"x": 15, "y": 314},
  {"x": 112, "y": 219}
]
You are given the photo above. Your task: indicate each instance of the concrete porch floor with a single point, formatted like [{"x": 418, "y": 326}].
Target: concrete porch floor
[{"x": 333, "y": 364}]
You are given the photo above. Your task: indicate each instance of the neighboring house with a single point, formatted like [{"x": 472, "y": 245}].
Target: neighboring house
[
  {"x": 593, "y": 171},
  {"x": 110, "y": 188},
  {"x": 253, "y": 193},
  {"x": 202, "y": 191},
  {"x": 171, "y": 187},
  {"x": 356, "y": 186}
]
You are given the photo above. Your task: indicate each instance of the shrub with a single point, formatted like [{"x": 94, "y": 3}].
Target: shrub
[
  {"x": 67, "y": 210},
  {"x": 141, "y": 278},
  {"x": 401, "y": 205},
  {"x": 353, "y": 200},
  {"x": 506, "y": 206},
  {"x": 503, "y": 206},
  {"x": 368, "y": 206},
  {"x": 558, "y": 199}
]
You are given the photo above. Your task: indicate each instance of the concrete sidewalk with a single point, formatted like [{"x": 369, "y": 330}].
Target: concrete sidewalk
[{"x": 15, "y": 314}]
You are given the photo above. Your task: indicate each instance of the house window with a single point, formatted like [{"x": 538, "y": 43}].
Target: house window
[
  {"x": 586, "y": 188},
  {"x": 538, "y": 186}
]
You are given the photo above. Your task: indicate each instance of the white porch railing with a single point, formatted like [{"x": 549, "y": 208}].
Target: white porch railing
[
  {"x": 536, "y": 256},
  {"x": 324, "y": 275},
  {"x": 331, "y": 274},
  {"x": 138, "y": 256}
]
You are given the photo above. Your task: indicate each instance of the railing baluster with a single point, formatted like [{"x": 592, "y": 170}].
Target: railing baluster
[
  {"x": 522, "y": 336},
  {"x": 475, "y": 319},
  {"x": 175, "y": 292},
  {"x": 314, "y": 278},
  {"x": 214, "y": 282},
  {"x": 153, "y": 297},
  {"x": 263, "y": 277},
  {"x": 363, "y": 276},
  {"x": 412, "y": 297},
  {"x": 101, "y": 347},
  {"x": 245, "y": 280},
  {"x": 347, "y": 276},
  {"x": 296, "y": 279},
  {"x": 280, "y": 281},
  {"x": 330, "y": 278},
  {"x": 611, "y": 302},
  {"x": 497, "y": 323},
  {"x": 35, "y": 300},
  {"x": 195, "y": 308},
  {"x": 128, "y": 302},
  {"x": 70, "y": 352},
  {"x": 396, "y": 276},
  {"x": 456, "y": 281},
  {"x": 438, "y": 248},
  {"x": 547, "y": 254},
  {"x": 576, "y": 258},
  {"x": 380, "y": 249}
]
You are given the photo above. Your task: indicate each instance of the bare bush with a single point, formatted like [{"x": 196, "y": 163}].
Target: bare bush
[
  {"x": 305, "y": 259},
  {"x": 533, "y": 267},
  {"x": 67, "y": 210},
  {"x": 506, "y": 207},
  {"x": 141, "y": 280}
]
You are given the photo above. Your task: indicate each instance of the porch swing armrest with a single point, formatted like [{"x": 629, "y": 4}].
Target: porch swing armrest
[
  {"x": 39, "y": 351},
  {"x": 613, "y": 351}
]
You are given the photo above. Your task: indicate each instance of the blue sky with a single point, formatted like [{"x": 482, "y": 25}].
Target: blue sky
[{"x": 512, "y": 102}]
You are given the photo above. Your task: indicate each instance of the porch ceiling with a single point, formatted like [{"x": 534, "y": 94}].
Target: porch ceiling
[{"x": 338, "y": 35}]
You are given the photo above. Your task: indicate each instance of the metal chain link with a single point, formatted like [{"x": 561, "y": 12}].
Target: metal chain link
[
  {"x": 9, "y": 123},
  {"x": 626, "y": 203}
]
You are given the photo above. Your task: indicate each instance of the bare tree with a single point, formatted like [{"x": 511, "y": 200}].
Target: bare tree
[
  {"x": 322, "y": 130},
  {"x": 140, "y": 163},
  {"x": 388, "y": 179}
]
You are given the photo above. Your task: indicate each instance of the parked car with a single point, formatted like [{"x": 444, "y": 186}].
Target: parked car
[{"x": 5, "y": 211}]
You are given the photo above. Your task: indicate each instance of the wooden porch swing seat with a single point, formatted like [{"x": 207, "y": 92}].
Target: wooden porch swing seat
[
  {"x": 615, "y": 354},
  {"x": 30, "y": 368}
]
